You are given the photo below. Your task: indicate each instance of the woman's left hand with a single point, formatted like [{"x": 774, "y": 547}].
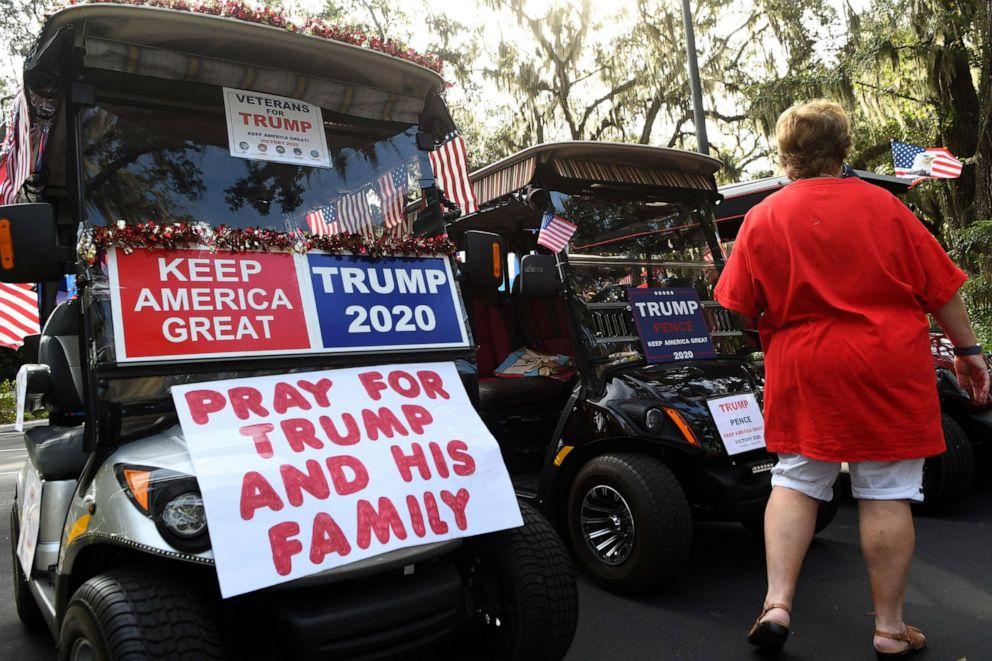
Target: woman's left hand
[{"x": 973, "y": 376}]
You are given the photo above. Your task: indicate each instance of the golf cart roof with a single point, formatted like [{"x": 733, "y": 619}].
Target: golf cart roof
[{"x": 610, "y": 162}]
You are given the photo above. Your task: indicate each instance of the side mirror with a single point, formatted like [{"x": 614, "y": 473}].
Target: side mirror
[
  {"x": 485, "y": 259},
  {"x": 29, "y": 250},
  {"x": 539, "y": 276}
]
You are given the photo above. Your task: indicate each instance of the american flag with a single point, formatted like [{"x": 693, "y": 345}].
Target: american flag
[
  {"x": 917, "y": 163},
  {"x": 18, "y": 314},
  {"x": 555, "y": 232},
  {"x": 392, "y": 188},
  {"x": 450, "y": 164},
  {"x": 322, "y": 221},
  {"x": 350, "y": 214},
  {"x": 15, "y": 151}
]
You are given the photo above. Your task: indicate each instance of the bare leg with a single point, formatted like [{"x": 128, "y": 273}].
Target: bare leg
[
  {"x": 790, "y": 519},
  {"x": 887, "y": 541}
]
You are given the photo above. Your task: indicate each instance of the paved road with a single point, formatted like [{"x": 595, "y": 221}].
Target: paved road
[{"x": 704, "y": 614}]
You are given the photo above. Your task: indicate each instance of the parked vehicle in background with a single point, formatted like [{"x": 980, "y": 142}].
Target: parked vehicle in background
[
  {"x": 240, "y": 196},
  {"x": 647, "y": 416},
  {"x": 946, "y": 478}
]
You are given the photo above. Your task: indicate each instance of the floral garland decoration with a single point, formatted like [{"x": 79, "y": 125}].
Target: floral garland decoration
[
  {"x": 314, "y": 27},
  {"x": 127, "y": 238}
]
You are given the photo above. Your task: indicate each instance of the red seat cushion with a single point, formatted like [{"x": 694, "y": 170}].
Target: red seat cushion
[{"x": 492, "y": 332}]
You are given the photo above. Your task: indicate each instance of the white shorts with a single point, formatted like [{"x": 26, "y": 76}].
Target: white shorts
[{"x": 870, "y": 480}]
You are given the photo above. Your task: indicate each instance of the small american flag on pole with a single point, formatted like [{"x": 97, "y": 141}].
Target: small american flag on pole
[
  {"x": 18, "y": 314},
  {"x": 450, "y": 164},
  {"x": 555, "y": 232},
  {"x": 917, "y": 163}
]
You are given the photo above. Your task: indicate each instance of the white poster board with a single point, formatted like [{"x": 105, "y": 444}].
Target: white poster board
[
  {"x": 739, "y": 420},
  {"x": 304, "y": 472},
  {"x": 29, "y": 521},
  {"x": 20, "y": 397},
  {"x": 266, "y": 127}
]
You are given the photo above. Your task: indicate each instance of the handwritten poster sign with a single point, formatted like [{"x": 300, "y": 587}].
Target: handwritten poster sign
[
  {"x": 739, "y": 421},
  {"x": 266, "y": 127},
  {"x": 670, "y": 324},
  {"x": 304, "y": 472},
  {"x": 30, "y": 521}
]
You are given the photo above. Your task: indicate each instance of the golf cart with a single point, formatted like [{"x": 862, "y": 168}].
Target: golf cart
[
  {"x": 606, "y": 371},
  {"x": 240, "y": 193},
  {"x": 948, "y": 477}
]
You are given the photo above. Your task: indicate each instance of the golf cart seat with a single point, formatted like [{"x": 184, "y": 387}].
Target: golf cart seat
[
  {"x": 543, "y": 314},
  {"x": 57, "y": 450}
]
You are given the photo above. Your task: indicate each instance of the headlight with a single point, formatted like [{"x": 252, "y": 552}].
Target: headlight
[
  {"x": 172, "y": 500},
  {"x": 184, "y": 515},
  {"x": 654, "y": 420}
]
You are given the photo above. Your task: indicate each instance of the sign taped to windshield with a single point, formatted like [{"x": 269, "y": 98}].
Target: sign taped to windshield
[
  {"x": 184, "y": 304},
  {"x": 304, "y": 472},
  {"x": 671, "y": 325},
  {"x": 266, "y": 127}
]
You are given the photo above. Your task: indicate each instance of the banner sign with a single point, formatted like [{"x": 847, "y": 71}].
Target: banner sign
[
  {"x": 301, "y": 473},
  {"x": 266, "y": 127},
  {"x": 739, "y": 420},
  {"x": 187, "y": 304},
  {"x": 670, "y": 324}
]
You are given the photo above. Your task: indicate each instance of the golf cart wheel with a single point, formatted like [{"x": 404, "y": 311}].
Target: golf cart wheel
[
  {"x": 629, "y": 521},
  {"x": 137, "y": 613},
  {"x": 24, "y": 603},
  {"x": 947, "y": 477},
  {"x": 825, "y": 515},
  {"x": 522, "y": 596}
]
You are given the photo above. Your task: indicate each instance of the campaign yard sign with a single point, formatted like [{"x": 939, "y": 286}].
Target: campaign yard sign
[
  {"x": 739, "y": 421},
  {"x": 267, "y": 127},
  {"x": 187, "y": 304},
  {"x": 670, "y": 324},
  {"x": 305, "y": 472}
]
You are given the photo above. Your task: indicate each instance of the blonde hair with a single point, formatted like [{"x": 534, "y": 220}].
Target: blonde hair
[{"x": 813, "y": 139}]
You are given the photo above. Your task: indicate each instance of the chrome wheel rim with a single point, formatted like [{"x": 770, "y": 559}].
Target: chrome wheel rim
[
  {"x": 82, "y": 650},
  {"x": 607, "y": 525}
]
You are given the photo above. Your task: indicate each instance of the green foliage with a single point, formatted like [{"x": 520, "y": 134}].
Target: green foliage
[{"x": 8, "y": 405}]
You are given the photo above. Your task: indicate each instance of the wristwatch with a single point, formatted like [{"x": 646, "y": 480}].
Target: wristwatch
[{"x": 973, "y": 350}]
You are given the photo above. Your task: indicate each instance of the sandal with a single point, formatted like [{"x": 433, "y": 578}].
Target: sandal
[
  {"x": 913, "y": 636},
  {"x": 769, "y": 634}
]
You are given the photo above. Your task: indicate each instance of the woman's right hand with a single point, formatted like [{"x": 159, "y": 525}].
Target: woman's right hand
[{"x": 973, "y": 376}]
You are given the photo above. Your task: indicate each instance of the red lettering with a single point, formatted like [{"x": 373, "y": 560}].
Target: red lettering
[
  {"x": 259, "y": 120},
  {"x": 244, "y": 117},
  {"x": 300, "y": 432},
  {"x": 327, "y": 538},
  {"x": 442, "y": 465},
  {"x": 464, "y": 464},
  {"x": 245, "y": 401},
  {"x": 284, "y": 548},
  {"x": 373, "y": 384},
  {"x": 260, "y": 435},
  {"x": 291, "y": 124},
  {"x": 354, "y": 435},
  {"x": 369, "y": 521},
  {"x": 202, "y": 403},
  {"x": 305, "y": 126},
  {"x": 285, "y": 397},
  {"x": 433, "y": 516},
  {"x": 385, "y": 422},
  {"x": 318, "y": 391},
  {"x": 416, "y": 516},
  {"x": 405, "y": 462},
  {"x": 342, "y": 484},
  {"x": 457, "y": 503},
  {"x": 256, "y": 493},
  {"x": 417, "y": 417},
  {"x": 433, "y": 384},
  {"x": 411, "y": 389},
  {"x": 296, "y": 482}
]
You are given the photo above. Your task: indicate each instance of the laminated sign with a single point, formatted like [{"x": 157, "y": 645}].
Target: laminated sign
[
  {"x": 301, "y": 473},
  {"x": 739, "y": 421},
  {"x": 266, "y": 127},
  {"x": 671, "y": 325},
  {"x": 187, "y": 304}
]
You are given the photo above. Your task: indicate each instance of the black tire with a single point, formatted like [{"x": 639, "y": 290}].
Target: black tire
[
  {"x": 27, "y": 608},
  {"x": 522, "y": 595},
  {"x": 138, "y": 613},
  {"x": 947, "y": 478},
  {"x": 827, "y": 512},
  {"x": 646, "y": 513}
]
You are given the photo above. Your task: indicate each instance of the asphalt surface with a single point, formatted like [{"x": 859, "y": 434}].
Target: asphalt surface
[{"x": 705, "y": 613}]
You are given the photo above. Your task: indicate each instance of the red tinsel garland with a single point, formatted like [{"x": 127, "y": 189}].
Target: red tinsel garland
[
  {"x": 233, "y": 239},
  {"x": 315, "y": 27}
]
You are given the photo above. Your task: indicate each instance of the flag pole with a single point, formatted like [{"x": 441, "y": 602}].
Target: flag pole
[{"x": 699, "y": 117}]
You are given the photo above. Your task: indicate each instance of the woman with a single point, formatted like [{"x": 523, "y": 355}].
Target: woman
[{"x": 843, "y": 276}]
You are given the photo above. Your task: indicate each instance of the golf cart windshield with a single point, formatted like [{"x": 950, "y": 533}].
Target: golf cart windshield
[
  {"x": 636, "y": 243},
  {"x": 172, "y": 165}
]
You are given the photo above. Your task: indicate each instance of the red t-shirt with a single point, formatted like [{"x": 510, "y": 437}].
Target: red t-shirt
[{"x": 843, "y": 274}]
